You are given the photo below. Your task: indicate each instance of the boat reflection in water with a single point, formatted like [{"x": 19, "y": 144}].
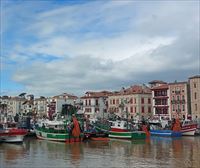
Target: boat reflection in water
[{"x": 154, "y": 152}]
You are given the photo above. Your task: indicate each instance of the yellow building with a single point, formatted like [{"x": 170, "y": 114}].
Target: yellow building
[
  {"x": 135, "y": 101},
  {"x": 194, "y": 83}
]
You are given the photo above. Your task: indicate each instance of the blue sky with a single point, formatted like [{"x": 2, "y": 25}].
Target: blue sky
[{"x": 51, "y": 47}]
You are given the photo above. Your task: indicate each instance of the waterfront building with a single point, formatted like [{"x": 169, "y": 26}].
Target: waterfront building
[
  {"x": 55, "y": 103},
  {"x": 194, "y": 84},
  {"x": 156, "y": 83},
  {"x": 178, "y": 100},
  {"x": 95, "y": 104},
  {"x": 40, "y": 106},
  {"x": 12, "y": 105},
  {"x": 160, "y": 95},
  {"x": 135, "y": 101},
  {"x": 28, "y": 106}
]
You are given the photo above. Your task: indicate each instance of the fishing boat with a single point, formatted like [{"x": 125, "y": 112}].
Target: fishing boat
[
  {"x": 124, "y": 130},
  {"x": 10, "y": 133},
  {"x": 165, "y": 133},
  {"x": 163, "y": 129},
  {"x": 91, "y": 132},
  {"x": 188, "y": 127},
  {"x": 59, "y": 130}
]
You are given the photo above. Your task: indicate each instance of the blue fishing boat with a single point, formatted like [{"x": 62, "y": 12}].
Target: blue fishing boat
[
  {"x": 165, "y": 133},
  {"x": 163, "y": 129}
]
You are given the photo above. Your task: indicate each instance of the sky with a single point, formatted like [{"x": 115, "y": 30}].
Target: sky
[{"x": 49, "y": 47}]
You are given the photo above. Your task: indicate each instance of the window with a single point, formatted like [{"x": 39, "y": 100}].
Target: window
[
  {"x": 195, "y": 95},
  {"x": 178, "y": 98},
  {"x": 117, "y": 101},
  {"x": 195, "y": 85},
  {"x": 131, "y": 109},
  {"x": 178, "y": 107},
  {"x": 183, "y": 107},
  {"x": 135, "y": 101},
  {"x": 135, "y": 109},
  {"x": 89, "y": 102},
  {"x": 183, "y": 97},
  {"x": 110, "y": 101},
  {"x": 173, "y": 107},
  {"x": 131, "y": 101},
  {"x": 86, "y": 102},
  {"x": 149, "y": 100},
  {"x": 113, "y": 101},
  {"x": 96, "y": 102},
  {"x": 142, "y": 100},
  {"x": 149, "y": 109},
  {"x": 142, "y": 109},
  {"x": 195, "y": 107}
]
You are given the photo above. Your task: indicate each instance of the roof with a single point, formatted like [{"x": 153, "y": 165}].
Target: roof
[
  {"x": 157, "y": 81},
  {"x": 196, "y": 76},
  {"x": 66, "y": 95},
  {"x": 92, "y": 94},
  {"x": 165, "y": 86},
  {"x": 174, "y": 83},
  {"x": 135, "y": 89}
]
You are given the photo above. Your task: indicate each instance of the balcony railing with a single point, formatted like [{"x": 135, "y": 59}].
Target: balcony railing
[{"x": 178, "y": 101}]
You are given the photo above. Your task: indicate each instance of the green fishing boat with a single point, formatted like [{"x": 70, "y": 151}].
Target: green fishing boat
[
  {"x": 59, "y": 130},
  {"x": 122, "y": 129}
]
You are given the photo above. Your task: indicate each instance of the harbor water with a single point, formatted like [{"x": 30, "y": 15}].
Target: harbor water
[{"x": 154, "y": 152}]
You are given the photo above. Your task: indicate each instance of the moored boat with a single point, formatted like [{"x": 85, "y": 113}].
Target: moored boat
[
  {"x": 59, "y": 130},
  {"x": 10, "y": 133},
  {"x": 188, "y": 128},
  {"x": 123, "y": 130},
  {"x": 165, "y": 133},
  {"x": 163, "y": 129}
]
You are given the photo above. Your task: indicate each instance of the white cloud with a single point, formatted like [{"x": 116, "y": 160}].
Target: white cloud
[{"x": 102, "y": 45}]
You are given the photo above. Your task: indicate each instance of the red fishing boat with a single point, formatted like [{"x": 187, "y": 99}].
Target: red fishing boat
[
  {"x": 188, "y": 128},
  {"x": 10, "y": 133}
]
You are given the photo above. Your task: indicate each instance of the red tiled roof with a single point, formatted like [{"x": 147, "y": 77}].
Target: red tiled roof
[
  {"x": 91, "y": 94},
  {"x": 165, "y": 86},
  {"x": 66, "y": 95},
  {"x": 135, "y": 89}
]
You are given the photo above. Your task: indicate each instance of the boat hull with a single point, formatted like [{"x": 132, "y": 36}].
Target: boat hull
[
  {"x": 13, "y": 135},
  {"x": 59, "y": 137},
  {"x": 189, "y": 129},
  {"x": 14, "y": 139},
  {"x": 127, "y": 135},
  {"x": 165, "y": 133}
]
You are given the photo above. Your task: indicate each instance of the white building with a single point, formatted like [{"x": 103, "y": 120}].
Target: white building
[
  {"x": 40, "y": 106},
  {"x": 95, "y": 104}
]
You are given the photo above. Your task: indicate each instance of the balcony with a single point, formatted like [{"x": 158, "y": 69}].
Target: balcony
[{"x": 177, "y": 92}]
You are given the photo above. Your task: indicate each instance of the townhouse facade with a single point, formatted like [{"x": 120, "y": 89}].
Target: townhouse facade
[
  {"x": 95, "y": 104},
  {"x": 55, "y": 103},
  {"x": 160, "y": 103},
  {"x": 12, "y": 105},
  {"x": 40, "y": 106},
  {"x": 179, "y": 100},
  {"x": 133, "y": 102},
  {"x": 194, "y": 85}
]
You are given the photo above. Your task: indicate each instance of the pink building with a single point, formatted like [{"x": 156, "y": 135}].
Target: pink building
[
  {"x": 160, "y": 94},
  {"x": 178, "y": 99}
]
